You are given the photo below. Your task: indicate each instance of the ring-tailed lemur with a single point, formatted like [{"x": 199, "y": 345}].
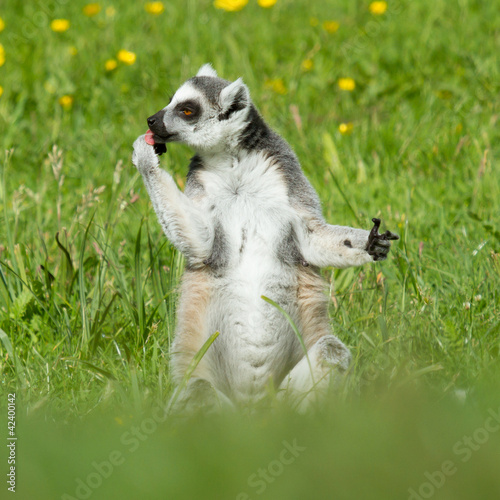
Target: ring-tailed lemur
[{"x": 250, "y": 225}]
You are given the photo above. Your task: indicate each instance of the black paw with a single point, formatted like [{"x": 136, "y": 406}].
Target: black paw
[
  {"x": 378, "y": 245},
  {"x": 160, "y": 149}
]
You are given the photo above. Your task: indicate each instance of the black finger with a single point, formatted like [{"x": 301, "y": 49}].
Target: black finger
[
  {"x": 388, "y": 236},
  {"x": 160, "y": 149},
  {"x": 374, "y": 232},
  {"x": 392, "y": 236}
]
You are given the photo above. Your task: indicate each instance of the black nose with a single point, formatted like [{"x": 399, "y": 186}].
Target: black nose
[{"x": 155, "y": 123}]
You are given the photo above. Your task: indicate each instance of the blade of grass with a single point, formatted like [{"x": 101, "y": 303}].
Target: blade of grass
[
  {"x": 295, "y": 329},
  {"x": 191, "y": 368},
  {"x": 81, "y": 283},
  {"x": 138, "y": 284}
]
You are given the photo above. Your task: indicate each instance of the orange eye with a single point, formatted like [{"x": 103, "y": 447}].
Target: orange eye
[{"x": 187, "y": 112}]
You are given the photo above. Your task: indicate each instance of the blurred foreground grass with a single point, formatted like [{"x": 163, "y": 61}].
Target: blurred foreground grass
[{"x": 378, "y": 449}]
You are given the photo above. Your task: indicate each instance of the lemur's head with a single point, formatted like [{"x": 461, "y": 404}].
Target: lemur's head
[{"x": 205, "y": 113}]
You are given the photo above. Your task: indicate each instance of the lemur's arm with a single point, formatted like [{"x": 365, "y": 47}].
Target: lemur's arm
[
  {"x": 185, "y": 225},
  {"x": 339, "y": 246}
]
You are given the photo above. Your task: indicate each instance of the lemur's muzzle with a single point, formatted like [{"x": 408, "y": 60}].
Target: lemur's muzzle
[
  {"x": 157, "y": 126},
  {"x": 157, "y": 134}
]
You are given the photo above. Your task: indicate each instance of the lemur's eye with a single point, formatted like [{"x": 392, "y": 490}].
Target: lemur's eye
[{"x": 188, "y": 110}]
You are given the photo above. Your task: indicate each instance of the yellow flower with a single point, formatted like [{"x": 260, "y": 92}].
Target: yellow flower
[
  {"x": 346, "y": 84},
  {"x": 2, "y": 55},
  {"x": 91, "y": 9},
  {"x": 1, "y": 91},
  {"x": 331, "y": 26},
  {"x": 110, "y": 64},
  {"x": 59, "y": 25},
  {"x": 66, "y": 101},
  {"x": 155, "y": 8},
  {"x": 266, "y": 3},
  {"x": 73, "y": 50},
  {"x": 126, "y": 57},
  {"x": 345, "y": 128},
  {"x": 378, "y": 8},
  {"x": 110, "y": 11},
  {"x": 230, "y": 5},
  {"x": 2, "y": 24},
  {"x": 277, "y": 86},
  {"x": 307, "y": 65}
]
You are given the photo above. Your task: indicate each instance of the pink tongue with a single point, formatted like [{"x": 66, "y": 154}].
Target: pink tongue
[{"x": 149, "y": 138}]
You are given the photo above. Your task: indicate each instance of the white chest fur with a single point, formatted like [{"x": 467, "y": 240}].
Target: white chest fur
[{"x": 247, "y": 200}]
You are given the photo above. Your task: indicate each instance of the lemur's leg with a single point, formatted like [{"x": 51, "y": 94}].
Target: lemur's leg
[
  {"x": 325, "y": 364},
  {"x": 185, "y": 225},
  {"x": 340, "y": 246}
]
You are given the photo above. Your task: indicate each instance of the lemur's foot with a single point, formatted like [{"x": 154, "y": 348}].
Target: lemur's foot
[
  {"x": 378, "y": 245},
  {"x": 200, "y": 396},
  {"x": 144, "y": 156}
]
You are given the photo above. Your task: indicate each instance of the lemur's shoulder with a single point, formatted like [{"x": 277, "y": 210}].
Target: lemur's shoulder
[{"x": 258, "y": 136}]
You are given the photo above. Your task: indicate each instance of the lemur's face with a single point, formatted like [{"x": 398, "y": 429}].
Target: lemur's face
[{"x": 205, "y": 113}]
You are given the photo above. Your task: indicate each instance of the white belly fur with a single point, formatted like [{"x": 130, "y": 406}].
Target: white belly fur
[{"x": 256, "y": 341}]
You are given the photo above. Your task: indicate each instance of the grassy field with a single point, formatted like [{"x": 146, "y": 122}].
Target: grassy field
[{"x": 393, "y": 113}]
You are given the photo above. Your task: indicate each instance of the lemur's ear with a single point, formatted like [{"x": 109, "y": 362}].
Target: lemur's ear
[
  {"x": 207, "y": 70},
  {"x": 233, "y": 98}
]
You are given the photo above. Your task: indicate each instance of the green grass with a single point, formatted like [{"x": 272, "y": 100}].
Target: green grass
[{"x": 88, "y": 283}]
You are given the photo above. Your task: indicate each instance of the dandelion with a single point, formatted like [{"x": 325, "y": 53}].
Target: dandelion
[
  {"x": 2, "y": 55},
  {"x": 155, "y": 8},
  {"x": 378, "y": 8},
  {"x": 110, "y": 64},
  {"x": 91, "y": 9},
  {"x": 346, "y": 84},
  {"x": 126, "y": 57},
  {"x": 307, "y": 65},
  {"x": 2, "y": 24},
  {"x": 277, "y": 86},
  {"x": 66, "y": 101},
  {"x": 1, "y": 91},
  {"x": 266, "y": 3},
  {"x": 110, "y": 12},
  {"x": 346, "y": 128},
  {"x": 331, "y": 26},
  {"x": 230, "y": 5},
  {"x": 59, "y": 25}
]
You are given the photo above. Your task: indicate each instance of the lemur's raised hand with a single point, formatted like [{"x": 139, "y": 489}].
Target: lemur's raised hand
[
  {"x": 250, "y": 225},
  {"x": 378, "y": 244}
]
